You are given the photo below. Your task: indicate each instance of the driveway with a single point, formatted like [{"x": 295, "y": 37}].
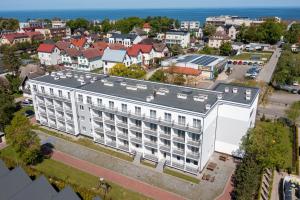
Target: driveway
[{"x": 204, "y": 190}]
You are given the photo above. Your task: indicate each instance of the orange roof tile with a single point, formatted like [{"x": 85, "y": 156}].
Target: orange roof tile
[
  {"x": 78, "y": 42},
  {"x": 183, "y": 70}
]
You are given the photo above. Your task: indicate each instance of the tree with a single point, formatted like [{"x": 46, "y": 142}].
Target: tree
[
  {"x": 179, "y": 79},
  {"x": 106, "y": 26},
  {"x": 119, "y": 70},
  {"x": 9, "y": 24},
  {"x": 209, "y": 30},
  {"x": 7, "y": 108},
  {"x": 293, "y": 113},
  {"x": 78, "y": 23},
  {"x": 11, "y": 61},
  {"x": 207, "y": 50},
  {"x": 159, "y": 76},
  {"x": 14, "y": 83},
  {"x": 133, "y": 71},
  {"x": 293, "y": 34},
  {"x": 20, "y": 136},
  {"x": 176, "y": 49},
  {"x": 226, "y": 49}
]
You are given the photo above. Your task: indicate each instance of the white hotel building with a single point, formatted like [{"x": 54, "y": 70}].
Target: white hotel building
[{"x": 178, "y": 126}]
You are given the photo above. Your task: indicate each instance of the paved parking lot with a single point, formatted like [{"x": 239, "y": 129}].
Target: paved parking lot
[{"x": 238, "y": 72}]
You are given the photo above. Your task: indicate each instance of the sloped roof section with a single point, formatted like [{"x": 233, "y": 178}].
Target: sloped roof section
[
  {"x": 46, "y": 48},
  {"x": 112, "y": 55}
]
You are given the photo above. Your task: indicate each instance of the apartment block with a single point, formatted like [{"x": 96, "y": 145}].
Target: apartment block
[{"x": 178, "y": 126}]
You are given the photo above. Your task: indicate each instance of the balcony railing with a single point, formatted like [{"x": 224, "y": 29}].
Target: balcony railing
[
  {"x": 150, "y": 157},
  {"x": 192, "y": 155},
  {"x": 136, "y": 128},
  {"x": 179, "y": 152},
  {"x": 111, "y": 143},
  {"x": 110, "y": 133},
  {"x": 70, "y": 120},
  {"x": 61, "y": 118},
  {"x": 68, "y": 110},
  {"x": 45, "y": 123},
  {"x": 99, "y": 129},
  {"x": 109, "y": 121},
  {"x": 40, "y": 103},
  {"x": 99, "y": 140},
  {"x": 178, "y": 165},
  {"x": 123, "y": 136},
  {"x": 52, "y": 96},
  {"x": 193, "y": 142},
  {"x": 50, "y": 105},
  {"x": 164, "y": 147},
  {"x": 192, "y": 170},
  {"x": 136, "y": 140},
  {"x": 61, "y": 128},
  {"x": 151, "y": 144},
  {"x": 165, "y": 136},
  {"x": 69, "y": 130},
  {"x": 122, "y": 124},
  {"x": 52, "y": 115},
  {"x": 151, "y": 132},
  {"x": 59, "y": 108},
  {"x": 178, "y": 139},
  {"x": 43, "y": 114},
  {"x": 124, "y": 147},
  {"x": 98, "y": 118}
]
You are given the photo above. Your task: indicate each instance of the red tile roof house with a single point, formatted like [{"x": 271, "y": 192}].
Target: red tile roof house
[
  {"x": 69, "y": 57},
  {"x": 183, "y": 70},
  {"x": 147, "y": 52},
  {"x": 49, "y": 54},
  {"x": 79, "y": 43},
  {"x": 135, "y": 55},
  {"x": 13, "y": 38},
  {"x": 147, "y": 27},
  {"x": 90, "y": 59}
]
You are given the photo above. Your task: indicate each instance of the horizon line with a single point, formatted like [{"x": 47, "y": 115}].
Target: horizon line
[{"x": 154, "y": 8}]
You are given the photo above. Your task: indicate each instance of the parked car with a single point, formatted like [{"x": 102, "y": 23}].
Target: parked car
[
  {"x": 252, "y": 72},
  {"x": 27, "y": 102}
]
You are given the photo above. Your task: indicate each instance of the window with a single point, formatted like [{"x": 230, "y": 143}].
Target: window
[
  {"x": 138, "y": 123},
  {"x": 167, "y": 130},
  {"x": 84, "y": 128},
  {"x": 34, "y": 88},
  {"x": 153, "y": 113},
  {"x": 111, "y": 104},
  {"x": 99, "y": 102},
  {"x": 153, "y": 127},
  {"x": 138, "y": 110},
  {"x": 168, "y": 117},
  {"x": 59, "y": 93},
  {"x": 181, "y": 133},
  {"x": 181, "y": 120},
  {"x": 43, "y": 89},
  {"x": 51, "y": 91},
  {"x": 69, "y": 95},
  {"x": 125, "y": 131},
  {"x": 124, "y": 120},
  {"x": 89, "y": 100},
  {"x": 111, "y": 116},
  {"x": 196, "y": 123},
  {"x": 124, "y": 107},
  {"x": 178, "y": 157},
  {"x": 152, "y": 151},
  {"x": 80, "y": 98},
  {"x": 81, "y": 107}
]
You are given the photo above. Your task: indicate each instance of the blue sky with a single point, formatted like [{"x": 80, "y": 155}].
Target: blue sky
[{"x": 119, "y": 4}]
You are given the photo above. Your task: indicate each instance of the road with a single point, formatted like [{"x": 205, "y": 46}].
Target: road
[{"x": 267, "y": 71}]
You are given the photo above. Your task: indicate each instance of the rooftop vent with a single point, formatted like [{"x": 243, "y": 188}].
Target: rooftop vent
[
  {"x": 106, "y": 83},
  {"x": 141, "y": 86},
  {"x": 53, "y": 74},
  {"x": 63, "y": 76},
  {"x": 165, "y": 90},
  {"x": 226, "y": 89},
  {"x": 94, "y": 78},
  {"x": 123, "y": 83},
  {"x": 92, "y": 81},
  {"x": 181, "y": 96},
  {"x": 234, "y": 90},
  {"x": 75, "y": 75},
  {"x": 82, "y": 82},
  {"x": 248, "y": 92},
  {"x": 47, "y": 73},
  {"x": 131, "y": 87},
  {"x": 69, "y": 75},
  {"x": 220, "y": 96},
  {"x": 88, "y": 76},
  {"x": 56, "y": 77},
  {"x": 207, "y": 106},
  {"x": 149, "y": 98},
  {"x": 103, "y": 80},
  {"x": 199, "y": 98},
  {"x": 187, "y": 91},
  {"x": 248, "y": 97}
]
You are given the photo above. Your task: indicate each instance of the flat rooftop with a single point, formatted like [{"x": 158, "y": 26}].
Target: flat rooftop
[{"x": 185, "y": 98}]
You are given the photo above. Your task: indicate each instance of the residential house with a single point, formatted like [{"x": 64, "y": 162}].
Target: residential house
[
  {"x": 45, "y": 31},
  {"x": 90, "y": 59},
  {"x": 69, "y": 57},
  {"x": 60, "y": 32},
  {"x": 79, "y": 43},
  {"x": 112, "y": 57},
  {"x": 126, "y": 39},
  {"x": 295, "y": 48},
  {"x": 230, "y": 30},
  {"x": 181, "y": 38},
  {"x": 190, "y": 25},
  {"x": 147, "y": 27},
  {"x": 49, "y": 54},
  {"x": 35, "y": 36},
  {"x": 14, "y": 38},
  {"x": 58, "y": 23},
  {"x": 217, "y": 39},
  {"x": 135, "y": 54},
  {"x": 63, "y": 45},
  {"x": 161, "y": 50}
]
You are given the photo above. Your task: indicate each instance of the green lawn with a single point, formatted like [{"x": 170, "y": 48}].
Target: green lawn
[
  {"x": 248, "y": 56},
  {"x": 97, "y": 71},
  {"x": 148, "y": 164},
  {"x": 59, "y": 170},
  {"x": 181, "y": 175},
  {"x": 89, "y": 143}
]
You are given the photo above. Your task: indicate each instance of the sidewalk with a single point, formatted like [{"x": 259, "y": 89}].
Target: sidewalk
[{"x": 124, "y": 181}]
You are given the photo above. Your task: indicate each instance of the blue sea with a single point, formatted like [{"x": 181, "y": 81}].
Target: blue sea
[{"x": 180, "y": 14}]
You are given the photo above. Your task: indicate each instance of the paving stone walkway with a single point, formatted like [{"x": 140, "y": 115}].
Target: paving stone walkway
[{"x": 203, "y": 190}]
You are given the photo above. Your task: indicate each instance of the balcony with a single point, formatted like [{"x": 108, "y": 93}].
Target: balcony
[
  {"x": 150, "y": 157},
  {"x": 109, "y": 121},
  {"x": 52, "y": 96},
  {"x": 124, "y": 148},
  {"x": 178, "y": 165},
  {"x": 99, "y": 140},
  {"x": 52, "y": 115},
  {"x": 151, "y": 144},
  {"x": 165, "y": 136},
  {"x": 111, "y": 143},
  {"x": 136, "y": 128},
  {"x": 42, "y": 113},
  {"x": 178, "y": 139},
  {"x": 122, "y": 125},
  {"x": 165, "y": 148},
  {"x": 98, "y": 118},
  {"x": 110, "y": 133},
  {"x": 99, "y": 129},
  {"x": 70, "y": 120},
  {"x": 59, "y": 108},
  {"x": 179, "y": 152},
  {"x": 45, "y": 123},
  {"x": 70, "y": 130},
  {"x": 68, "y": 110},
  {"x": 61, "y": 128},
  {"x": 51, "y": 106},
  {"x": 41, "y": 103},
  {"x": 53, "y": 125},
  {"x": 123, "y": 136},
  {"x": 193, "y": 142},
  {"x": 192, "y": 170},
  {"x": 193, "y": 155},
  {"x": 61, "y": 118},
  {"x": 150, "y": 132},
  {"x": 136, "y": 140}
]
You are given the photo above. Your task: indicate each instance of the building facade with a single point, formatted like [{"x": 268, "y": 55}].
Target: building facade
[
  {"x": 181, "y": 38},
  {"x": 176, "y": 125},
  {"x": 190, "y": 25}
]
